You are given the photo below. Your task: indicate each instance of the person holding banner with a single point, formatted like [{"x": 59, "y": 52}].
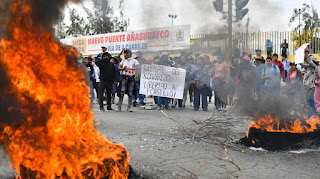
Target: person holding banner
[
  {"x": 141, "y": 97},
  {"x": 128, "y": 67},
  {"x": 164, "y": 60},
  {"x": 201, "y": 77}
]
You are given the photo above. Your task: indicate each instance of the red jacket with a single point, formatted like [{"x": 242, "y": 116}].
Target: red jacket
[{"x": 281, "y": 68}]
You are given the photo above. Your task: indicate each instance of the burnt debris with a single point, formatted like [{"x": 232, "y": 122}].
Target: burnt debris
[{"x": 276, "y": 141}]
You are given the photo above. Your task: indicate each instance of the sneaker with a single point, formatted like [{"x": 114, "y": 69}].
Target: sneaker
[
  {"x": 129, "y": 109},
  {"x": 119, "y": 109},
  {"x": 110, "y": 109},
  {"x": 223, "y": 110},
  {"x": 173, "y": 106},
  {"x": 205, "y": 109},
  {"x": 102, "y": 109},
  {"x": 191, "y": 104},
  {"x": 195, "y": 109}
]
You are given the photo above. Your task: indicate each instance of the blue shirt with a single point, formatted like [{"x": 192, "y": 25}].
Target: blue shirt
[
  {"x": 273, "y": 72},
  {"x": 286, "y": 66},
  {"x": 269, "y": 44}
]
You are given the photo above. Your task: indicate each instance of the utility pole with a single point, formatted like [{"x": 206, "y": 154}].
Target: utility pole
[
  {"x": 230, "y": 47},
  {"x": 299, "y": 28},
  {"x": 247, "y": 35}
]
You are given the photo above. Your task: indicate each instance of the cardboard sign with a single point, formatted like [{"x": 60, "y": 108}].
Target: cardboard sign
[{"x": 163, "y": 81}]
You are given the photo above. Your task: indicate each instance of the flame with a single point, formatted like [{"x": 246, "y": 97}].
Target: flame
[
  {"x": 274, "y": 124},
  {"x": 57, "y": 138}
]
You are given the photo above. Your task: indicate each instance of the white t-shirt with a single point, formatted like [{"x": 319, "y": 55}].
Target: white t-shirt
[
  {"x": 130, "y": 63},
  {"x": 96, "y": 70}
]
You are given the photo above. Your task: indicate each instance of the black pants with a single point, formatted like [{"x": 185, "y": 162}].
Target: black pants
[
  {"x": 96, "y": 87},
  {"x": 105, "y": 85}
]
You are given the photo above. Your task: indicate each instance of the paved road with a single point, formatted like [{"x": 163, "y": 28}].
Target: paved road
[{"x": 161, "y": 147}]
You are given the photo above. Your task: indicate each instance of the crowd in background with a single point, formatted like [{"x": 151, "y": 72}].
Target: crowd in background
[{"x": 114, "y": 77}]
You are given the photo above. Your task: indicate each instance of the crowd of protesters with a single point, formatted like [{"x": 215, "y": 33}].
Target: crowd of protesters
[{"x": 204, "y": 77}]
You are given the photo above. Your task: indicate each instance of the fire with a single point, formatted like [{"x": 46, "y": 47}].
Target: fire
[
  {"x": 57, "y": 137},
  {"x": 274, "y": 124}
]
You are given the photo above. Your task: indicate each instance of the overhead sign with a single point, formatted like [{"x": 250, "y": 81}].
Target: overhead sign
[
  {"x": 163, "y": 81},
  {"x": 158, "y": 39}
]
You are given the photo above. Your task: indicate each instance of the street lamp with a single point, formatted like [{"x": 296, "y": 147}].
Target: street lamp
[{"x": 172, "y": 17}]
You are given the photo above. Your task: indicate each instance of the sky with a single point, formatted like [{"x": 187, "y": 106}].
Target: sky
[{"x": 265, "y": 15}]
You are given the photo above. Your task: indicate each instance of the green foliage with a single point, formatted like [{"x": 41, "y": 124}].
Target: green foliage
[
  {"x": 99, "y": 20},
  {"x": 77, "y": 26},
  {"x": 61, "y": 28},
  {"x": 309, "y": 20}
]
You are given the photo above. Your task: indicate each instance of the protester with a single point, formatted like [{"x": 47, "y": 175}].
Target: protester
[
  {"x": 95, "y": 78},
  {"x": 220, "y": 80},
  {"x": 201, "y": 77},
  {"x": 258, "y": 55},
  {"x": 128, "y": 67},
  {"x": 271, "y": 77},
  {"x": 191, "y": 86},
  {"x": 260, "y": 68},
  {"x": 104, "y": 51},
  {"x": 89, "y": 69},
  {"x": 275, "y": 61},
  {"x": 284, "y": 47},
  {"x": 107, "y": 78},
  {"x": 310, "y": 71},
  {"x": 286, "y": 62},
  {"x": 294, "y": 75},
  {"x": 141, "y": 97},
  {"x": 164, "y": 60},
  {"x": 115, "y": 61},
  {"x": 189, "y": 70},
  {"x": 317, "y": 92},
  {"x": 210, "y": 64},
  {"x": 269, "y": 47}
]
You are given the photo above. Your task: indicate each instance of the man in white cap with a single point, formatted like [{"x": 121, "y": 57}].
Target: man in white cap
[{"x": 104, "y": 50}]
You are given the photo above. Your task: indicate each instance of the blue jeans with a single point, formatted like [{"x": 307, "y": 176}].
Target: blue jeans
[
  {"x": 163, "y": 102},
  {"x": 203, "y": 92},
  {"x": 310, "y": 102},
  {"x": 92, "y": 91},
  {"x": 140, "y": 96}
]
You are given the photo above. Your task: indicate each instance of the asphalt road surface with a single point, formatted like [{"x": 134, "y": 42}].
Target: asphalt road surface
[{"x": 182, "y": 143}]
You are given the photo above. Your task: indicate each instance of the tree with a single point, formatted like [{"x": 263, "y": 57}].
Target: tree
[
  {"x": 77, "y": 26},
  {"x": 61, "y": 28},
  {"x": 100, "y": 20},
  {"x": 309, "y": 20},
  {"x": 120, "y": 23}
]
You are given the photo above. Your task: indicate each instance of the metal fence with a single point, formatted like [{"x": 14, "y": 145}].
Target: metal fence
[{"x": 257, "y": 40}]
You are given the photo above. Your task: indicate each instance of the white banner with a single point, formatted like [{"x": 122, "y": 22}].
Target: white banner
[
  {"x": 299, "y": 53},
  {"x": 157, "y": 39},
  {"x": 163, "y": 81}
]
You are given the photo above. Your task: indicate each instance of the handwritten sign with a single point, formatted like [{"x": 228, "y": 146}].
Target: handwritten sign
[{"x": 163, "y": 81}]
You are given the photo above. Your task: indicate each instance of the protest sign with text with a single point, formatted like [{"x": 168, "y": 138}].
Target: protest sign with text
[
  {"x": 156, "y": 39},
  {"x": 163, "y": 81}
]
